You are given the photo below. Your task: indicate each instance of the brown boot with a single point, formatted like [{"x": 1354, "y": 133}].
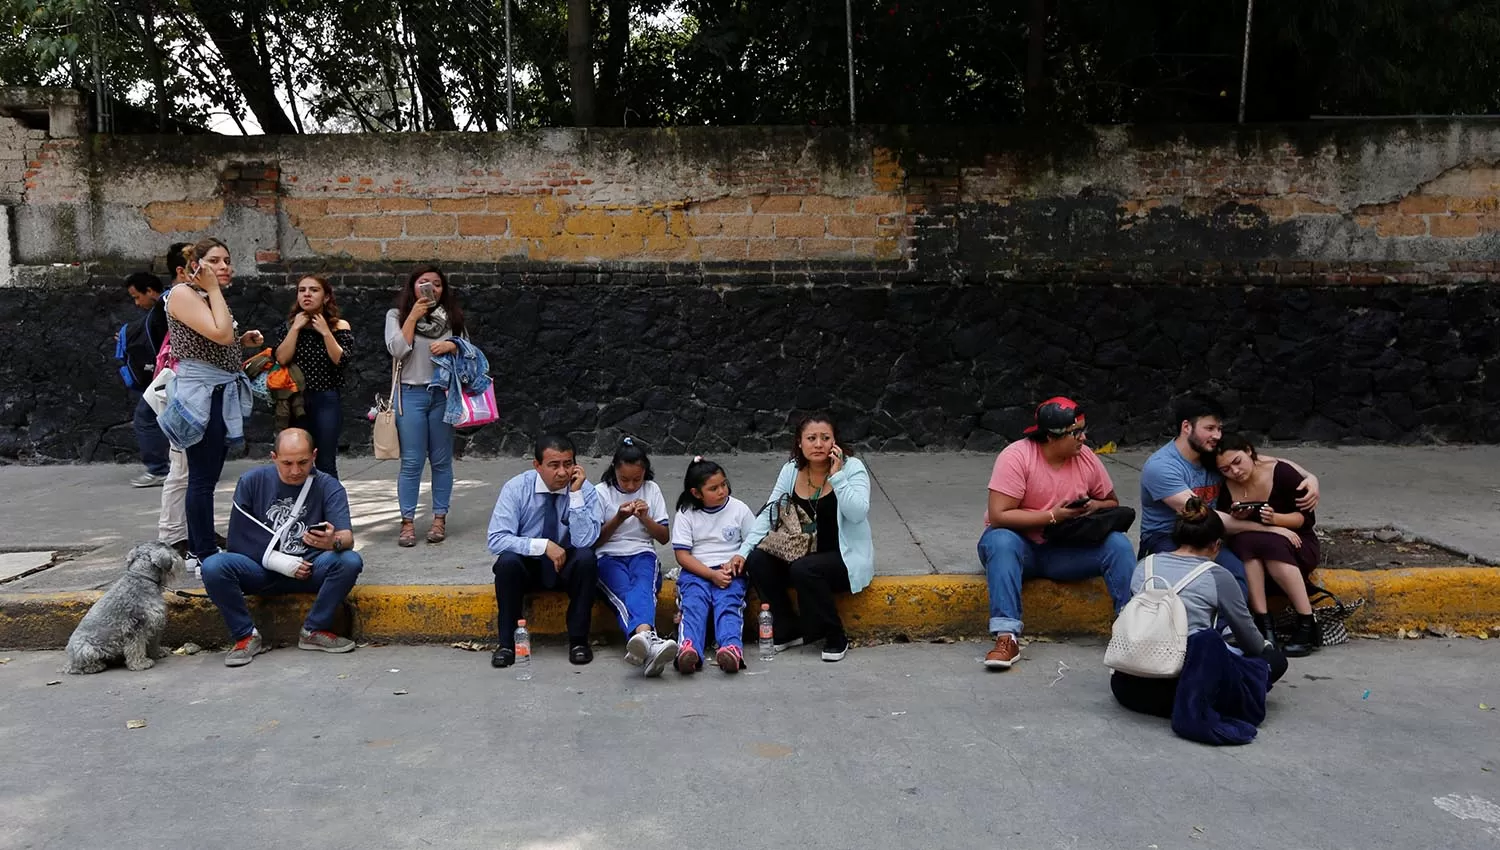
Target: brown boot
[
  {"x": 1004, "y": 654},
  {"x": 439, "y": 531}
]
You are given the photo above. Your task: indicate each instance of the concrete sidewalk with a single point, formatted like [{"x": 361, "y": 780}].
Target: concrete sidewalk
[
  {"x": 926, "y": 509},
  {"x": 926, "y": 513}
]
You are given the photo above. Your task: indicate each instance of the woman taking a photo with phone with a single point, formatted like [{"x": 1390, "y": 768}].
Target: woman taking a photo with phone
[
  {"x": 317, "y": 340},
  {"x": 422, "y": 325},
  {"x": 1259, "y": 489},
  {"x": 833, "y": 491},
  {"x": 210, "y": 398}
]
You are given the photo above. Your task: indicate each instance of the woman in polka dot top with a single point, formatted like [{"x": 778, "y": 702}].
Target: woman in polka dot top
[{"x": 317, "y": 340}]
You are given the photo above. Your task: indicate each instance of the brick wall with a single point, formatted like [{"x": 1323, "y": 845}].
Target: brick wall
[
  {"x": 20, "y": 158},
  {"x": 1391, "y": 202},
  {"x": 696, "y": 287}
]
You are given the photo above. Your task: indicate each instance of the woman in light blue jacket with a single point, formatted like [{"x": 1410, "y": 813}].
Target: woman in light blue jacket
[{"x": 833, "y": 489}]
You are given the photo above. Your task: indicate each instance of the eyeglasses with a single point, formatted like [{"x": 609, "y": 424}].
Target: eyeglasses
[{"x": 1077, "y": 432}]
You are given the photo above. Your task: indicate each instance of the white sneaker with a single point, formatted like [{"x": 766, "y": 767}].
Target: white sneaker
[
  {"x": 791, "y": 644},
  {"x": 637, "y": 647},
  {"x": 661, "y": 654}
]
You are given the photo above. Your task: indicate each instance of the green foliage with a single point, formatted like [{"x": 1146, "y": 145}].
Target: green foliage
[{"x": 377, "y": 65}]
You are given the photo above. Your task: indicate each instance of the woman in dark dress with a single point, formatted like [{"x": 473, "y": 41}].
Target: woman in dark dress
[
  {"x": 1287, "y": 550},
  {"x": 317, "y": 340}
]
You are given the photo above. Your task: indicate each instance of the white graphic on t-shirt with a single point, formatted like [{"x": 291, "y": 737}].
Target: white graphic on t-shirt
[
  {"x": 291, "y": 541},
  {"x": 732, "y": 534}
]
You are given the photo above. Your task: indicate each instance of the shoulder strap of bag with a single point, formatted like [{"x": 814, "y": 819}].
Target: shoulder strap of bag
[
  {"x": 1193, "y": 576},
  {"x": 396, "y": 384},
  {"x": 146, "y": 327},
  {"x": 1150, "y": 574},
  {"x": 291, "y": 518}
]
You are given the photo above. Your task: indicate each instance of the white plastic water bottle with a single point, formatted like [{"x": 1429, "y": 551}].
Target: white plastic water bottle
[
  {"x": 767, "y": 642},
  {"x": 523, "y": 651}
]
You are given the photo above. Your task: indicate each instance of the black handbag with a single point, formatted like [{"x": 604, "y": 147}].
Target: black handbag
[{"x": 1091, "y": 530}]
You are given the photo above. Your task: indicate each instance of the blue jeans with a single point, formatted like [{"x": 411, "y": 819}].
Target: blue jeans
[
  {"x": 1228, "y": 560},
  {"x": 1009, "y": 557},
  {"x": 324, "y": 420},
  {"x": 205, "y": 460},
  {"x": 228, "y": 576},
  {"x": 425, "y": 438},
  {"x": 149, "y": 437}
]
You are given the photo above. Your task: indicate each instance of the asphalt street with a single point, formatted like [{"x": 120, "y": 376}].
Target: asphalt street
[{"x": 1376, "y": 745}]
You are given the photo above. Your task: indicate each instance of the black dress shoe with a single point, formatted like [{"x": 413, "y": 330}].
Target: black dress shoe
[
  {"x": 503, "y": 658},
  {"x": 581, "y": 654}
]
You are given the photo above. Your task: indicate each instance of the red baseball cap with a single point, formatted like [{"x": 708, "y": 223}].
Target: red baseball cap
[{"x": 1056, "y": 416}]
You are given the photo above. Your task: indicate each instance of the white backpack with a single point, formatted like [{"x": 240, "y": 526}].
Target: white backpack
[{"x": 1150, "y": 635}]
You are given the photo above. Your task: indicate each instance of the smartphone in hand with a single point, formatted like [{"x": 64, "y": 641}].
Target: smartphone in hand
[
  {"x": 1077, "y": 503},
  {"x": 1246, "y": 510}
]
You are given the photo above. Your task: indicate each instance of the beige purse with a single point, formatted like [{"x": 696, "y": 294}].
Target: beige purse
[
  {"x": 387, "y": 440},
  {"x": 788, "y": 539}
]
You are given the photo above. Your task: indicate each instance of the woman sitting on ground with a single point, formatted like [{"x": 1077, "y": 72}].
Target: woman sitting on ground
[
  {"x": 1287, "y": 550},
  {"x": 1215, "y": 593}
]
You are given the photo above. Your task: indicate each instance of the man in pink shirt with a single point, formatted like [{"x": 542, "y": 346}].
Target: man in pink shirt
[{"x": 1048, "y": 477}]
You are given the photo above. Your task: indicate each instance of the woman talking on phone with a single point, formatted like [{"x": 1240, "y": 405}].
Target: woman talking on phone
[
  {"x": 833, "y": 490},
  {"x": 317, "y": 340},
  {"x": 1264, "y": 490},
  {"x": 210, "y": 397},
  {"x": 422, "y": 325}
]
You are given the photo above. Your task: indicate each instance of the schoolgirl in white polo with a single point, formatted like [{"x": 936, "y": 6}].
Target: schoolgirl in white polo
[{"x": 706, "y": 535}]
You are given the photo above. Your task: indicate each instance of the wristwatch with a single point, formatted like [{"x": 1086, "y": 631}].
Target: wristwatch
[{"x": 338, "y": 545}]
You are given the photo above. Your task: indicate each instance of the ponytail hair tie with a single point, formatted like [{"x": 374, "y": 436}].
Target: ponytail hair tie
[
  {"x": 627, "y": 442},
  {"x": 697, "y": 458}
]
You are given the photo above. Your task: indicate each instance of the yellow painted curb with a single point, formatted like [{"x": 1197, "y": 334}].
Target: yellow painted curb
[{"x": 1466, "y": 599}]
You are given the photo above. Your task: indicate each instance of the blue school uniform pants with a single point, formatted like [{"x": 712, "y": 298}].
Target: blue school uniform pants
[
  {"x": 630, "y": 584},
  {"x": 699, "y": 599}
]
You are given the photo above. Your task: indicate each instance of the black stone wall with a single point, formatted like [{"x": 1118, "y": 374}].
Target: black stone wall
[{"x": 904, "y": 365}]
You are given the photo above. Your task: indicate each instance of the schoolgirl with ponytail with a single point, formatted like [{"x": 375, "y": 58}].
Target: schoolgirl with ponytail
[{"x": 629, "y": 572}]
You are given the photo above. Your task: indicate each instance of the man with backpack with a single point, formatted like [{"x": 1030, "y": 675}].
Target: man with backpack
[{"x": 136, "y": 345}]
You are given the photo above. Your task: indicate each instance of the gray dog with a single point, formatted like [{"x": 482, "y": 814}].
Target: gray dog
[{"x": 127, "y": 621}]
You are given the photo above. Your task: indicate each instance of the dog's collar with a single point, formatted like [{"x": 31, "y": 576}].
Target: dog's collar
[{"x": 155, "y": 581}]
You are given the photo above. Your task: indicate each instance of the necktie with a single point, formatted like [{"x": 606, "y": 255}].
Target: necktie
[{"x": 554, "y": 526}]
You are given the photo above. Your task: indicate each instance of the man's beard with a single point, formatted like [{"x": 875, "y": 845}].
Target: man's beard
[{"x": 1202, "y": 450}]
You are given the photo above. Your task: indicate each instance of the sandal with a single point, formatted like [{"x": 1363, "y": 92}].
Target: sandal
[
  {"x": 439, "y": 531},
  {"x": 408, "y": 537}
]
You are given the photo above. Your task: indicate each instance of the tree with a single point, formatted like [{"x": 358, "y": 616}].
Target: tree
[
  {"x": 581, "y": 60},
  {"x": 387, "y": 65}
]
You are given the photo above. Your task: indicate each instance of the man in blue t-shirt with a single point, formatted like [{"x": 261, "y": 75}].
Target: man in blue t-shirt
[
  {"x": 289, "y": 532},
  {"x": 1184, "y": 468}
]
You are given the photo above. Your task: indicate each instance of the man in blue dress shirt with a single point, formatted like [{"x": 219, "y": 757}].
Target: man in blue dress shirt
[{"x": 543, "y": 531}]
